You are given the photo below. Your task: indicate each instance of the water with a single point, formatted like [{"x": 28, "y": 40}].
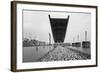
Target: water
[
  {"x": 36, "y": 53},
  {"x": 32, "y": 54}
]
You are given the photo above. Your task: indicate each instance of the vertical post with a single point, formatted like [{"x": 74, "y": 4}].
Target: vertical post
[
  {"x": 73, "y": 39},
  {"x": 78, "y": 38},
  {"x": 85, "y": 35},
  {"x": 49, "y": 38}
]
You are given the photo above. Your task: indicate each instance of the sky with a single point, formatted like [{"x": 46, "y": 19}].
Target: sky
[{"x": 36, "y": 25}]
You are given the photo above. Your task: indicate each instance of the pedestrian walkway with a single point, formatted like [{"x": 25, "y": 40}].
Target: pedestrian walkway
[{"x": 63, "y": 54}]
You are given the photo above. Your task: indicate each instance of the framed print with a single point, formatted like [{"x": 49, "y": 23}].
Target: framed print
[{"x": 47, "y": 36}]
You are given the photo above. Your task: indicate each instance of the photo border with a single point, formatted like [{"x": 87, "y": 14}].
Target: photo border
[{"x": 14, "y": 35}]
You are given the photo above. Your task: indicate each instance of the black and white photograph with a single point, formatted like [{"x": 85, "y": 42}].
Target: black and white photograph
[
  {"x": 56, "y": 36},
  {"x": 49, "y": 36}
]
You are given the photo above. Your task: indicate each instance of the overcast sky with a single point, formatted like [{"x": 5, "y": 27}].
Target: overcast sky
[{"x": 36, "y": 25}]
